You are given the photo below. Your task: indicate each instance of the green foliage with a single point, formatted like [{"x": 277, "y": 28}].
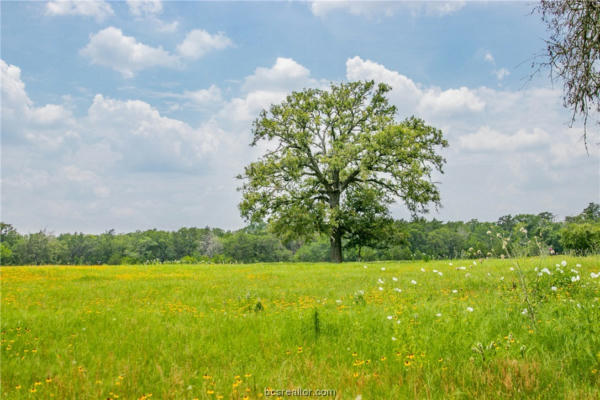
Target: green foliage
[
  {"x": 582, "y": 238},
  {"x": 245, "y": 247},
  {"x": 335, "y": 149},
  {"x": 313, "y": 251},
  {"x": 418, "y": 239}
]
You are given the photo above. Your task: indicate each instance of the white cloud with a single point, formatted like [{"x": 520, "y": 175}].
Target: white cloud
[
  {"x": 266, "y": 86},
  {"x": 162, "y": 26},
  {"x": 501, "y": 73},
  {"x": 148, "y": 11},
  {"x": 204, "y": 97},
  {"x": 110, "y": 48},
  {"x": 136, "y": 130},
  {"x": 21, "y": 119},
  {"x": 199, "y": 42},
  {"x": 436, "y": 100},
  {"x": 371, "y": 9},
  {"x": 246, "y": 109},
  {"x": 284, "y": 74},
  {"x": 410, "y": 97},
  {"x": 145, "y": 7},
  {"x": 487, "y": 139},
  {"x": 489, "y": 57},
  {"x": 98, "y": 9}
]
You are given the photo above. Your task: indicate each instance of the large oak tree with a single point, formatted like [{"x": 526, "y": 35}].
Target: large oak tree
[{"x": 328, "y": 148}]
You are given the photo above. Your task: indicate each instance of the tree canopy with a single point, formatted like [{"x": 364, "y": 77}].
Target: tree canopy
[{"x": 329, "y": 149}]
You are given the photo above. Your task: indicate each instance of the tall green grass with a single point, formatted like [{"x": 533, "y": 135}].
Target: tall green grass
[{"x": 230, "y": 331}]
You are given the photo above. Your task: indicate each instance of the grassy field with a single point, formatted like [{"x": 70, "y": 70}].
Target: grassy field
[{"x": 435, "y": 329}]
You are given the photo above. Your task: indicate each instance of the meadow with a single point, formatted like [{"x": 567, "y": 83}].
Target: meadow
[{"x": 385, "y": 330}]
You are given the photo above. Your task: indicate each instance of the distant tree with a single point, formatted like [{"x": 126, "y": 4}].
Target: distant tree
[
  {"x": 325, "y": 143},
  {"x": 248, "y": 248},
  {"x": 573, "y": 53},
  {"x": 582, "y": 238},
  {"x": 8, "y": 240},
  {"x": 589, "y": 214}
]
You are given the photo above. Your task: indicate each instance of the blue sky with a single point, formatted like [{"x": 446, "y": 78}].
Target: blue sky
[{"x": 134, "y": 115}]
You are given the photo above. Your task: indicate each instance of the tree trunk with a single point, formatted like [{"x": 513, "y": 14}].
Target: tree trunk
[
  {"x": 336, "y": 233},
  {"x": 336, "y": 246}
]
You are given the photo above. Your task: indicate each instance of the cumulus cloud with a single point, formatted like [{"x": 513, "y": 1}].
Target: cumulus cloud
[
  {"x": 204, "y": 97},
  {"x": 285, "y": 74},
  {"x": 22, "y": 120},
  {"x": 149, "y": 11},
  {"x": 148, "y": 140},
  {"x": 487, "y": 139},
  {"x": 372, "y": 9},
  {"x": 408, "y": 95},
  {"x": 125, "y": 54},
  {"x": 437, "y": 100},
  {"x": 111, "y": 48},
  {"x": 99, "y": 9},
  {"x": 266, "y": 86},
  {"x": 144, "y": 7},
  {"x": 199, "y": 42},
  {"x": 128, "y": 136}
]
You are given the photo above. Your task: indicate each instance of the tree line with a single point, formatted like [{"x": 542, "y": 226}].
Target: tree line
[{"x": 418, "y": 239}]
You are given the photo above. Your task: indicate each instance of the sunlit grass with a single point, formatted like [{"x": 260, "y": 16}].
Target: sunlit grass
[{"x": 230, "y": 331}]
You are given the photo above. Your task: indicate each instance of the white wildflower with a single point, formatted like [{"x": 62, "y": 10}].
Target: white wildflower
[
  {"x": 413, "y": 282},
  {"x": 575, "y": 278},
  {"x": 553, "y": 288},
  {"x": 470, "y": 309},
  {"x": 563, "y": 263}
]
